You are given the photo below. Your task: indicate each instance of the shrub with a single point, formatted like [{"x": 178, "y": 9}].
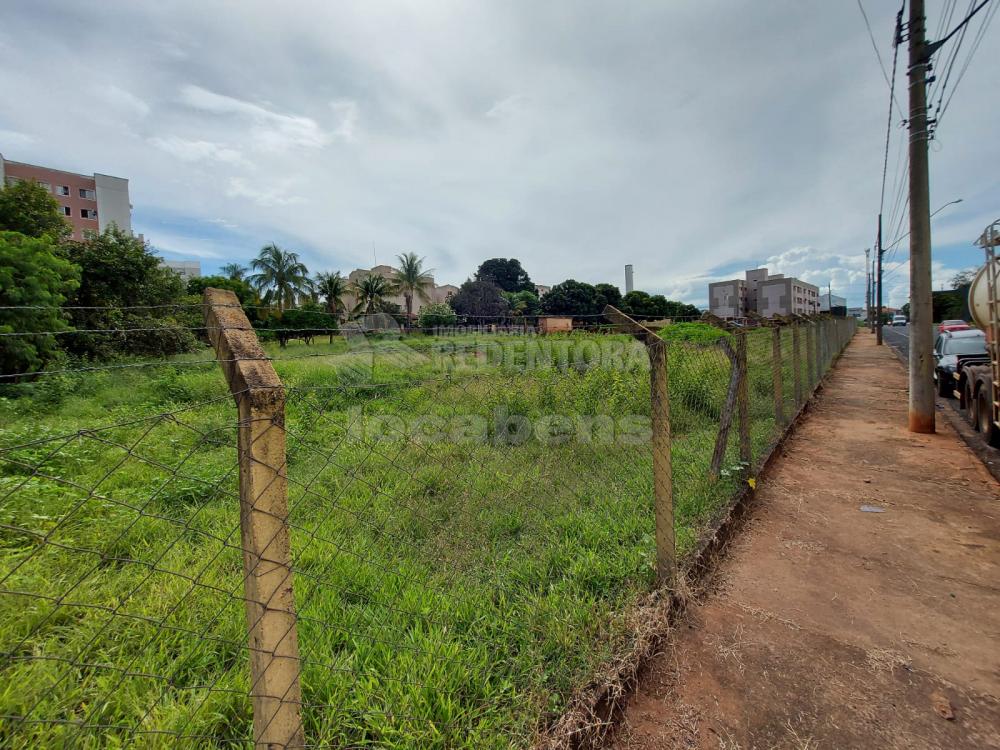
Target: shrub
[{"x": 436, "y": 316}]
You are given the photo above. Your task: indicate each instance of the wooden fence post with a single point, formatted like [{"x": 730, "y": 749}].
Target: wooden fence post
[
  {"x": 270, "y": 607},
  {"x": 663, "y": 487},
  {"x": 743, "y": 400},
  {"x": 779, "y": 386}
]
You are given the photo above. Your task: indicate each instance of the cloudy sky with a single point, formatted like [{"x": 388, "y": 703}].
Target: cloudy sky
[{"x": 692, "y": 139}]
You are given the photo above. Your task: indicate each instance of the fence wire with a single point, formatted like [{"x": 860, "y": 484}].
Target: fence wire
[{"x": 470, "y": 517}]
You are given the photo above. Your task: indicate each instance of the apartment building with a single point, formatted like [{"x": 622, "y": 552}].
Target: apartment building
[
  {"x": 186, "y": 269},
  {"x": 764, "y": 294},
  {"x": 90, "y": 203},
  {"x": 436, "y": 293}
]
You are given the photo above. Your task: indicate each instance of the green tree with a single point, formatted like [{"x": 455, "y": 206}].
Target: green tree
[
  {"x": 332, "y": 288},
  {"x": 242, "y": 289},
  {"x": 35, "y": 273},
  {"x": 524, "y": 303},
  {"x": 123, "y": 287},
  {"x": 479, "y": 299},
  {"x": 963, "y": 278},
  {"x": 412, "y": 281},
  {"x": 235, "y": 271},
  {"x": 612, "y": 295},
  {"x": 30, "y": 209},
  {"x": 575, "y": 298},
  {"x": 281, "y": 278},
  {"x": 437, "y": 315},
  {"x": 506, "y": 273},
  {"x": 304, "y": 323},
  {"x": 372, "y": 293}
]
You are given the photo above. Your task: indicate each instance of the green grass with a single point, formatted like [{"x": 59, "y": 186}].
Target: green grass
[{"x": 454, "y": 585}]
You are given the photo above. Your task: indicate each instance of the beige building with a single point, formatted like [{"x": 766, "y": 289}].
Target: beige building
[
  {"x": 437, "y": 294},
  {"x": 89, "y": 203},
  {"x": 763, "y": 293}
]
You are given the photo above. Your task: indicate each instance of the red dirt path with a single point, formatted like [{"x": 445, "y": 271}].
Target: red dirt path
[{"x": 829, "y": 627}]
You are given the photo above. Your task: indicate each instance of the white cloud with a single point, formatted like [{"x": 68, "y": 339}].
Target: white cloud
[
  {"x": 270, "y": 131},
  {"x": 275, "y": 193},
  {"x": 14, "y": 139},
  {"x": 575, "y": 140},
  {"x": 507, "y": 107},
  {"x": 124, "y": 102},
  {"x": 347, "y": 112},
  {"x": 195, "y": 151}
]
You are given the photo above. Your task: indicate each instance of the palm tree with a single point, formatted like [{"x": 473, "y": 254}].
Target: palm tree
[
  {"x": 332, "y": 287},
  {"x": 371, "y": 292},
  {"x": 234, "y": 271},
  {"x": 412, "y": 280},
  {"x": 280, "y": 276}
]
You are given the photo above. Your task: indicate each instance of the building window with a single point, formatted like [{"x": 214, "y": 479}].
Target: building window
[
  {"x": 88, "y": 213},
  {"x": 14, "y": 180},
  {"x": 62, "y": 190},
  {"x": 67, "y": 211},
  {"x": 90, "y": 195},
  {"x": 47, "y": 186}
]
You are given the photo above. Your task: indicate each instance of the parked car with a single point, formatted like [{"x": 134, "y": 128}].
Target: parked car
[
  {"x": 898, "y": 320},
  {"x": 953, "y": 325},
  {"x": 951, "y": 349}
]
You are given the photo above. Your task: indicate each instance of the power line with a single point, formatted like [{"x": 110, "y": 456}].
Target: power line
[
  {"x": 892, "y": 96},
  {"x": 879, "y": 56},
  {"x": 987, "y": 19}
]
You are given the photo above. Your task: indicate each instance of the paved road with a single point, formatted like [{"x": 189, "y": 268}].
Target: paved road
[{"x": 897, "y": 338}]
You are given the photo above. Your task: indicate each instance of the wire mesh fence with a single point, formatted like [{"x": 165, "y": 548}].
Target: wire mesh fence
[{"x": 427, "y": 542}]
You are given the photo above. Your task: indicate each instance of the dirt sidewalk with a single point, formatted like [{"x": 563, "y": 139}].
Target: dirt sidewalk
[{"x": 828, "y": 626}]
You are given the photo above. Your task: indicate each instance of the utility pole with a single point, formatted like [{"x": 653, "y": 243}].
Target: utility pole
[
  {"x": 872, "y": 321},
  {"x": 868, "y": 288},
  {"x": 878, "y": 283},
  {"x": 921, "y": 416}
]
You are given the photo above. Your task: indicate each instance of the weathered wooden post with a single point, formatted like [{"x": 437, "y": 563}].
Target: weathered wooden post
[
  {"x": 776, "y": 375},
  {"x": 663, "y": 488},
  {"x": 270, "y": 607},
  {"x": 743, "y": 399}
]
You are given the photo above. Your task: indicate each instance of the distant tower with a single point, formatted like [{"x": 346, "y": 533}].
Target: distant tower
[{"x": 629, "y": 285}]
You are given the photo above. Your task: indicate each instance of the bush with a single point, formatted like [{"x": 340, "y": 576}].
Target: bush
[
  {"x": 32, "y": 272},
  {"x": 436, "y": 316}
]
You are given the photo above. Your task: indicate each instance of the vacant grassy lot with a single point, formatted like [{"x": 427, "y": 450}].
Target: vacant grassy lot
[{"x": 470, "y": 521}]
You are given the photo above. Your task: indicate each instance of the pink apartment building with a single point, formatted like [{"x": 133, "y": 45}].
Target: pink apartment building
[{"x": 90, "y": 203}]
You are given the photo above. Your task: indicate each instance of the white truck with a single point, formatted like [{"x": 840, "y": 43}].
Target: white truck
[{"x": 978, "y": 379}]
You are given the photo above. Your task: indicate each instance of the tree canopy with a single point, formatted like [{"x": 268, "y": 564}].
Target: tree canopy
[
  {"x": 332, "y": 288},
  {"x": 612, "y": 294},
  {"x": 480, "y": 299},
  {"x": 643, "y": 304},
  {"x": 243, "y": 290},
  {"x": 523, "y": 303},
  {"x": 33, "y": 271},
  {"x": 505, "y": 273},
  {"x": 436, "y": 315},
  {"x": 372, "y": 293},
  {"x": 412, "y": 280},
  {"x": 576, "y": 298},
  {"x": 30, "y": 209},
  {"x": 280, "y": 277},
  {"x": 122, "y": 279}
]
